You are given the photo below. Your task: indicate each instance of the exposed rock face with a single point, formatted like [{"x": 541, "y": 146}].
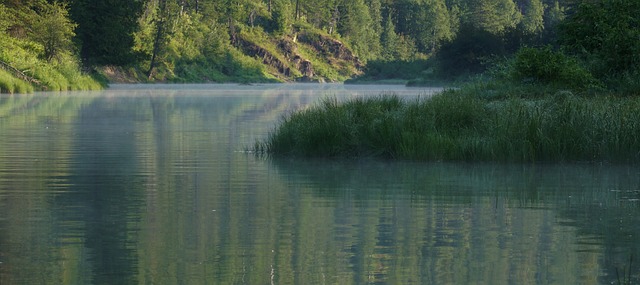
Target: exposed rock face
[
  {"x": 334, "y": 51},
  {"x": 330, "y": 47},
  {"x": 267, "y": 57},
  {"x": 306, "y": 68}
]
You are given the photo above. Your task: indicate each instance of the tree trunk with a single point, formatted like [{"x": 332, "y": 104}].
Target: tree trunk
[
  {"x": 157, "y": 42},
  {"x": 232, "y": 30},
  {"x": 156, "y": 49}
]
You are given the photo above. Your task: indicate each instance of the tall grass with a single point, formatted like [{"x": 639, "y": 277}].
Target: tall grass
[
  {"x": 58, "y": 75},
  {"x": 10, "y": 84},
  {"x": 462, "y": 125}
]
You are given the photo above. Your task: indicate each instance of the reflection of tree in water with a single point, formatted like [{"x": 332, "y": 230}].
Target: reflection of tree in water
[
  {"x": 460, "y": 198},
  {"x": 104, "y": 203}
]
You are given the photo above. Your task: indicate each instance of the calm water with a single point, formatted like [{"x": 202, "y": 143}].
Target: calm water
[{"x": 151, "y": 185}]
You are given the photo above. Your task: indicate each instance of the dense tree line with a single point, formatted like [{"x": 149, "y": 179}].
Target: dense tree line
[{"x": 172, "y": 35}]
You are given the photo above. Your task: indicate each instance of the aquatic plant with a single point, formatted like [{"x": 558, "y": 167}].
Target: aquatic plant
[{"x": 461, "y": 125}]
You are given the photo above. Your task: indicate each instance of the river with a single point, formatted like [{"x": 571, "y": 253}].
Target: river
[{"x": 154, "y": 184}]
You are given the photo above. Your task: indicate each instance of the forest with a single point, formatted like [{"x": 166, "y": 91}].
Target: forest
[{"x": 82, "y": 44}]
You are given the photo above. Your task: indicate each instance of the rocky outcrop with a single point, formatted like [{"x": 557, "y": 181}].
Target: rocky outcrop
[
  {"x": 290, "y": 51},
  {"x": 330, "y": 47},
  {"x": 268, "y": 58},
  {"x": 289, "y": 64}
]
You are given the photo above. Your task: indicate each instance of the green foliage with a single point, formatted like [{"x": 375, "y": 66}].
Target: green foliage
[
  {"x": 397, "y": 69},
  {"x": 59, "y": 75},
  {"x": 363, "y": 39},
  {"x": 533, "y": 18},
  {"x": 428, "y": 22},
  {"x": 105, "y": 30},
  {"x": 543, "y": 65},
  {"x": 607, "y": 34},
  {"x": 555, "y": 14},
  {"x": 320, "y": 66},
  {"x": 394, "y": 46},
  {"x": 54, "y": 30},
  {"x": 10, "y": 84},
  {"x": 242, "y": 67},
  {"x": 626, "y": 84},
  {"x": 468, "y": 52},
  {"x": 494, "y": 16},
  {"x": 166, "y": 38},
  {"x": 281, "y": 17},
  {"x": 5, "y": 21}
]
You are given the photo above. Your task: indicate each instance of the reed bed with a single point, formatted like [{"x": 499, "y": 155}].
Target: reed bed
[{"x": 464, "y": 126}]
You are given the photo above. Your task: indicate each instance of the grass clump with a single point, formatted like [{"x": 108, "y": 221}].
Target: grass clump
[
  {"x": 460, "y": 125},
  {"x": 361, "y": 127}
]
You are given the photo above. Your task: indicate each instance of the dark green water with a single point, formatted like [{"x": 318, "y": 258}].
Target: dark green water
[{"x": 151, "y": 185}]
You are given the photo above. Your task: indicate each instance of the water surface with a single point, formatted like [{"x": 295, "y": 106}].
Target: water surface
[{"x": 144, "y": 184}]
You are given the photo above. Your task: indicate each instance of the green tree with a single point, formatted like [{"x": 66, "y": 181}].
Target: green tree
[
  {"x": 494, "y": 16},
  {"x": 554, "y": 15},
  {"x": 388, "y": 40},
  {"x": 434, "y": 15},
  {"x": 468, "y": 52},
  {"x": 395, "y": 46},
  {"x": 321, "y": 14},
  {"x": 427, "y": 22},
  {"x": 167, "y": 14},
  {"x": 355, "y": 24},
  {"x": 54, "y": 30},
  {"x": 375, "y": 11},
  {"x": 280, "y": 17},
  {"x": 607, "y": 34},
  {"x": 533, "y": 17},
  {"x": 105, "y": 29}
]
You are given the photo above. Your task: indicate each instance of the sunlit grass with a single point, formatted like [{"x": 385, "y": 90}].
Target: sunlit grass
[
  {"x": 463, "y": 125},
  {"x": 61, "y": 74},
  {"x": 10, "y": 84}
]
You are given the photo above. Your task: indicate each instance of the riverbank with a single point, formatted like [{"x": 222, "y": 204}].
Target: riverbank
[
  {"x": 468, "y": 124},
  {"x": 23, "y": 71}
]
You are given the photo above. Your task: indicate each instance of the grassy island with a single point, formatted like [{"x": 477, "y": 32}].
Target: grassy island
[{"x": 465, "y": 125}]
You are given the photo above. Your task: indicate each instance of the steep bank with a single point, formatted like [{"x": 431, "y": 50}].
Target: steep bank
[
  {"x": 23, "y": 71},
  {"x": 304, "y": 55}
]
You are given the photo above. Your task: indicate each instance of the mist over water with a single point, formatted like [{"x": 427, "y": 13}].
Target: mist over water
[{"x": 151, "y": 184}]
